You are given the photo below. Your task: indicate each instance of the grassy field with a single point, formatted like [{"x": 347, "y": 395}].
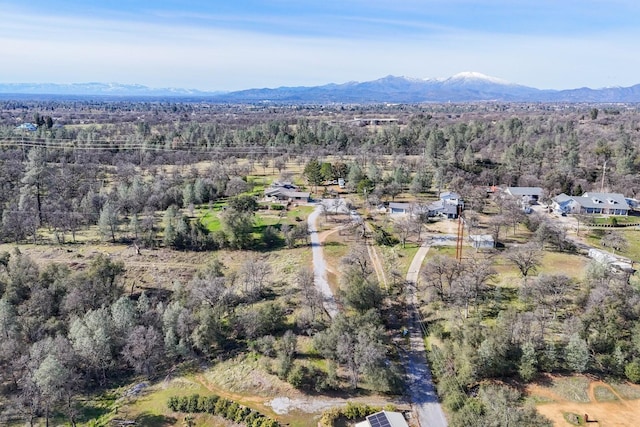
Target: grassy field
[{"x": 631, "y": 234}]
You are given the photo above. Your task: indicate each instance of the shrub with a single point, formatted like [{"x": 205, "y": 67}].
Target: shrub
[
  {"x": 202, "y": 404},
  {"x": 241, "y": 414},
  {"x": 183, "y": 404},
  {"x": 264, "y": 345},
  {"x": 173, "y": 403},
  {"x": 296, "y": 376},
  {"x": 192, "y": 406},
  {"x": 352, "y": 411},
  {"x": 219, "y": 406},
  {"x": 632, "y": 371},
  {"x": 210, "y": 404}
]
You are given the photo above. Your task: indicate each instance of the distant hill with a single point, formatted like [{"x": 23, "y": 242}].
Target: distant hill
[
  {"x": 97, "y": 89},
  {"x": 463, "y": 87}
]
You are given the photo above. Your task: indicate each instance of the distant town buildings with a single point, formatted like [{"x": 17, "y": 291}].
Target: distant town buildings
[{"x": 29, "y": 127}]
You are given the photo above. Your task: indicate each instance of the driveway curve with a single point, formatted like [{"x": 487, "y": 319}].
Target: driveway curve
[{"x": 320, "y": 265}]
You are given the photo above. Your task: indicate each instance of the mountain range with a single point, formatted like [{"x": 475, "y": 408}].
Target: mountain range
[{"x": 463, "y": 87}]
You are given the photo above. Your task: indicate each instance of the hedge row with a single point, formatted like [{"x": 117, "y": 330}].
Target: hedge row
[{"x": 222, "y": 407}]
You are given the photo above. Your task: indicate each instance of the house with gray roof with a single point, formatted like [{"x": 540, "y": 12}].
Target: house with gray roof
[
  {"x": 529, "y": 195},
  {"x": 446, "y": 207},
  {"x": 592, "y": 203},
  {"x": 286, "y": 192}
]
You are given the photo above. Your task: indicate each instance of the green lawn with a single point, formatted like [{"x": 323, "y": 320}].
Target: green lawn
[
  {"x": 619, "y": 219},
  {"x": 211, "y": 221},
  {"x": 631, "y": 234}
]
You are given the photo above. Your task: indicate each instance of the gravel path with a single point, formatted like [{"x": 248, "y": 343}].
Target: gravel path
[
  {"x": 320, "y": 265},
  {"x": 421, "y": 387}
]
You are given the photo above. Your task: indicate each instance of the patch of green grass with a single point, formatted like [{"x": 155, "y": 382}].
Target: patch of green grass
[
  {"x": 301, "y": 212},
  {"x": 537, "y": 399},
  {"x": 99, "y": 408},
  {"x": 604, "y": 394},
  {"x": 211, "y": 221},
  {"x": 449, "y": 251},
  {"x": 406, "y": 255},
  {"x": 619, "y": 219},
  {"x": 335, "y": 250},
  {"x": 153, "y": 400},
  {"x": 572, "y": 388},
  {"x": 632, "y": 235},
  {"x": 569, "y": 264},
  {"x": 573, "y": 419},
  {"x": 626, "y": 390}
]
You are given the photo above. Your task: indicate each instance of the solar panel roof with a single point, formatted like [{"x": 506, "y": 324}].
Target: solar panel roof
[{"x": 379, "y": 420}]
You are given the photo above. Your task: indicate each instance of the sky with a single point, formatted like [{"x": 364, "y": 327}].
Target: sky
[{"x": 222, "y": 45}]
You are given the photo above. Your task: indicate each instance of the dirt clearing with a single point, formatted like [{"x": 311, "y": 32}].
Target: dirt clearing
[{"x": 604, "y": 405}]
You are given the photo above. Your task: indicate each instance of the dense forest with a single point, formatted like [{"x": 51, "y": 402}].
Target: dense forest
[{"x": 130, "y": 170}]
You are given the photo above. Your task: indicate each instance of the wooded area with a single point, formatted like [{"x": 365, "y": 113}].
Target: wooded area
[{"x": 147, "y": 174}]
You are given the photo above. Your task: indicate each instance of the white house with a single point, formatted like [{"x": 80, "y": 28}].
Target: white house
[
  {"x": 592, "y": 203},
  {"x": 447, "y": 207}
]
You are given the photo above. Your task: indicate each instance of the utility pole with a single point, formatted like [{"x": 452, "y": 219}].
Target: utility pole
[
  {"x": 460, "y": 234},
  {"x": 604, "y": 168}
]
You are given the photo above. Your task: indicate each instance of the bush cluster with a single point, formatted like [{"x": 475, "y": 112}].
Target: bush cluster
[
  {"x": 216, "y": 405},
  {"x": 352, "y": 411}
]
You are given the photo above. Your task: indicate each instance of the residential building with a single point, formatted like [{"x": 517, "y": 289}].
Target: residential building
[
  {"x": 30, "y": 127},
  {"x": 592, "y": 203},
  {"x": 446, "y": 207},
  {"x": 286, "y": 191},
  {"x": 529, "y": 195}
]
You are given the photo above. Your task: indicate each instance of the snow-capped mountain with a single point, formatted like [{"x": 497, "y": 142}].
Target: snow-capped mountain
[{"x": 462, "y": 87}]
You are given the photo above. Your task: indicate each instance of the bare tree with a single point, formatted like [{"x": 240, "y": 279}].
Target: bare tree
[
  {"x": 549, "y": 292},
  {"x": 614, "y": 240},
  {"x": 143, "y": 350},
  {"x": 496, "y": 223},
  {"x": 403, "y": 227},
  {"x": 255, "y": 274},
  {"x": 441, "y": 274},
  {"x": 526, "y": 258},
  {"x": 310, "y": 295}
]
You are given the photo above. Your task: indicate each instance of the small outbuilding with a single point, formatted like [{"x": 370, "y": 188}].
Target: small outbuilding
[
  {"x": 482, "y": 241},
  {"x": 384, "y": 419}
]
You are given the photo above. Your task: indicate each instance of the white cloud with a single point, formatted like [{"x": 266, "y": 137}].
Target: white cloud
[{"x": 38, "y": 48}]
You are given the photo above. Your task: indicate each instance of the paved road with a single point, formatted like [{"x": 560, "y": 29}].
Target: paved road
[
  {"x": 320, "y": 265},
  {"x": 423, "y": 392}
]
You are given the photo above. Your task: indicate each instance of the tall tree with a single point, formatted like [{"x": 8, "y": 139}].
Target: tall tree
[
  {"x": 109, "y": 221},
  {"x": 313, "y": 173},
  {"x": 35, "y": 180}
]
